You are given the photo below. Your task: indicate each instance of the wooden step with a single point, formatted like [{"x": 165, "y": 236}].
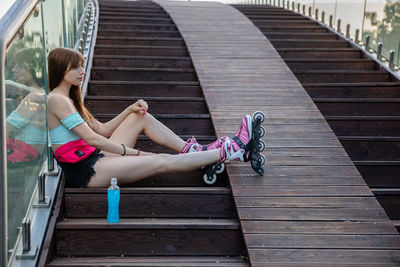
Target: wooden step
[
  {"x": 137, "y": 33},
  {"x": 142, "y": 62},
  {"x": 133, "y": 50},
  {"x": 134, "y": 5},
  {"x": 301, "y": 35},
  {"x": 152, "y": 41},
  {"x": 142, "y": 74},
  {"x": 296, "y": 29},
  {"x": 276, "y": 16},
  {"x": 313, "y": 76},
  {"x": 181, "y": 124},
  {"x": 152, "y": 202},
  {"x": 353, "y": 90},
  {"x": 358, "y": 106},
  {"x": 198, "y": 261},
  {"x": 379, "y": 174},
  {"x": 136, "y": 26},
  {"x": 306, "y": 43},
  {"x": 372, "y": 148},
  {"x": 365, "y": 125},
  {"x": 389, "y": 200},
  {"x": 131, "y": 19},
  {"x": 271, "y": 23},
  {"x": 319, "y": 53},
  {"x": 132, "y": 13},
  {"x": 142, "y": 89},
  {"x": 330, "y": 64},
  {"x": 158, "y": 105},
  {"x": 149, "y": 237}
]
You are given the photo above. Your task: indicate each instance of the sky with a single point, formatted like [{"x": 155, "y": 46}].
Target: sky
[{"x": 4, "y": 6}]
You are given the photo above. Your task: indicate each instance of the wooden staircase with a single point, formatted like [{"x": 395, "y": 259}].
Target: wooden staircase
[
  {"x": 358, "y": 98},
  {"x": 166, "y": 220}
]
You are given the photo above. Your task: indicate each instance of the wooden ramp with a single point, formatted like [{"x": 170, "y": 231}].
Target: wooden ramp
[{"x": 312, "y": 207}]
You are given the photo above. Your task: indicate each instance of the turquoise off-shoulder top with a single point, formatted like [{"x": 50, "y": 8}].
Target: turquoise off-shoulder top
[{"x": 63, "y": 133}]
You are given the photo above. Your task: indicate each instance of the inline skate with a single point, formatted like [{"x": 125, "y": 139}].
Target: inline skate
[
  {"x": 246, "y": 144},
  {"x": 210, "y": 171}
]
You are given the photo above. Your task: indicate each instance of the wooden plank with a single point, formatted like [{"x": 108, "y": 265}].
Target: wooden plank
[
  {"x": 324, "y": 257},
  {"x": 305, "y": 202},
  {"x": 317, "y": 227},
  {"x": 316, "y": 190},
  {"x": 323, "y": 241},
  {"x": 313, "y": 214}
]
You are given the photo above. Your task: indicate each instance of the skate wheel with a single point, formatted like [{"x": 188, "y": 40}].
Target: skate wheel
[
  {"x": 257, "y": 167},
  {"x": 258, "y": 115},
  {"x": 261, "y": 146},
  {"x": 220, "y": 168},
  {"x": 210, "y": 180},
  {"x": 262, "y": 159},
  {"x": 260, "y": 132}
]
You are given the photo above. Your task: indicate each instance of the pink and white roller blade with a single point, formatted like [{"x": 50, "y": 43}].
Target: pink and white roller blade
[
  {"x": 245, "y": 145},
  {"x": 217, "y": 168},
  {"x": 248, "y": 138}
]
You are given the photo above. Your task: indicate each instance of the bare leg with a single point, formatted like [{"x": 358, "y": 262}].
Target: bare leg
[
  {"x": 128, "y": 132},
  {"x": 131, "y": 169}
]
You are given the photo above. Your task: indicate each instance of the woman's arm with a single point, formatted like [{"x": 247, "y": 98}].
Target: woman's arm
[
  {"x": 106, "y": 129},
  {"x": 60, "y": 107}
]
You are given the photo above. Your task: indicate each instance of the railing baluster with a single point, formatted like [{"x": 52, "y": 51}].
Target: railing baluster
[
  {"x": 356, "y": 37},
  {"x": 379, "y": 51},
  {"x": 391, "y": 59},
  {"x": 367, "y": 38}
]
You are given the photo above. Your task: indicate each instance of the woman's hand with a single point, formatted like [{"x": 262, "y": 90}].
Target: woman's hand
[{"x": 140, "y": 107}]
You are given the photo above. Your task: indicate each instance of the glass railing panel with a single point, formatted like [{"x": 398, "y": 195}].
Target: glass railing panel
[
  {"x": 382, "y": 23},
  {"x": 350, "y": 12},
  {"x": 53, "y": 24},
  {"x": 26, "y": 120},
  {"x": 71, "y": 22}
]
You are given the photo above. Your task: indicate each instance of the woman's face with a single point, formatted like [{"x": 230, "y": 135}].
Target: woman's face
[
  {"x": 75, "y": 76},
  {"x": 22, "y": 74}
]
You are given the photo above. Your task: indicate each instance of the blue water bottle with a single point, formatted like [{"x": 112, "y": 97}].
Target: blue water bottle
[{"x": 113, "y": 202}]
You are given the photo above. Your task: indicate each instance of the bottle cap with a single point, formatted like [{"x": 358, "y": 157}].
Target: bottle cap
[{"x": 113, "y": 181}]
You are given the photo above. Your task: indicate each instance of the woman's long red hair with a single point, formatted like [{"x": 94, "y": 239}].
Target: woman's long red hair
[{"x": 60, "y": 61}]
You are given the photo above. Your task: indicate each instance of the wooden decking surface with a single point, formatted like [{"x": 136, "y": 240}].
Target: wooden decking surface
[{"x": 312, "y": 207}]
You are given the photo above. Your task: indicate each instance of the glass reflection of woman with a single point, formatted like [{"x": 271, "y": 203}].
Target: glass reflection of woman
[
  {"x": 91, "y": 153},
  {"x": 26, "y": 123}
]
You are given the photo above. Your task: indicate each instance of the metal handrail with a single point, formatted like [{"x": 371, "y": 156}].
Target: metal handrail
[{"x": 10, "y": 24}]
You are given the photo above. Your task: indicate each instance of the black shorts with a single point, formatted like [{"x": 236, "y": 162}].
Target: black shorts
[{"x": 79, "y": 174}]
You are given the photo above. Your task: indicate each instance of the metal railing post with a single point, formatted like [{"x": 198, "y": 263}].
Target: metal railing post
[
  {"x": 323, "y": 17},
  {"x": 348, "y": 30},
  {"x": 391, "y": 59},
  {"x": 379, "y": 51},
  {"x": 43, "y": 200},
  {"x": 331, "y": 21},
  {"x": 316, "y": 14},
  {"x": 357, "y": 35},
  {"x": 367, "y": 38},
  {"x": 27, "y": 251},
  {"x": 338, "y": 26}
]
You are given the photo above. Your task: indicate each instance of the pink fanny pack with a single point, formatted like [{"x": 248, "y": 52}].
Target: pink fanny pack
[{"x": 74, "y": 151}]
